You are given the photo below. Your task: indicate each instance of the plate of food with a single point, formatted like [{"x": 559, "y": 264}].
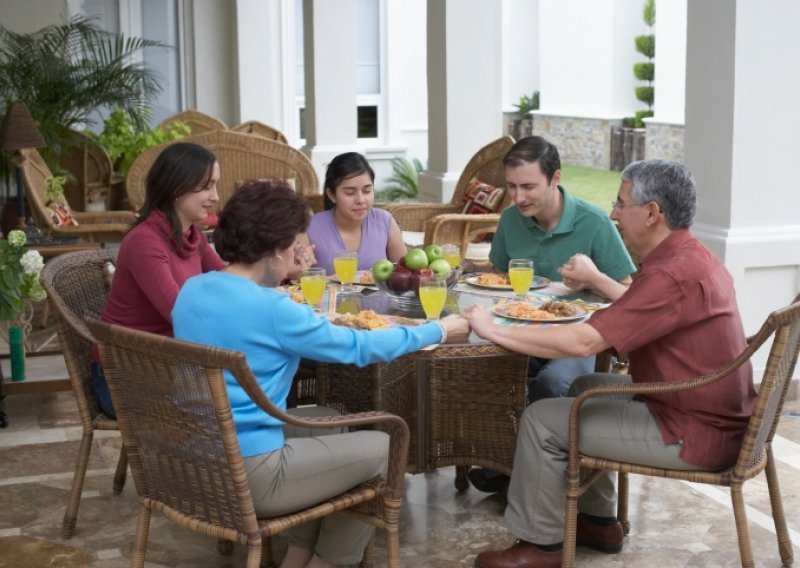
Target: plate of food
[
  {"x": 494, "y": 281},
  {"x": 370, "y": 320},
  {"x": 363, "y": 278},
  {"x": 550, "y": 311}
]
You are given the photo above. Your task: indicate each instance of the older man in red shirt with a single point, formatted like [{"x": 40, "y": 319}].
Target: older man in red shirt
[{"x": 677, "y": 321}]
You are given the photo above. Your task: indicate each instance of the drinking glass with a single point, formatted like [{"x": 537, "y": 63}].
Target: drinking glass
[
  {"x": 452, "y": 254},
  {"x": 432, "y": 296},
  {"x": 312, "y": 283},
  {"x": 520, "y": 272},
  {"x": 345, "y": 263}
]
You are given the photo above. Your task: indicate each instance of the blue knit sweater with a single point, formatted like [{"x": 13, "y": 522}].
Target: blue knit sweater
[{"x": 274, "y": 332}]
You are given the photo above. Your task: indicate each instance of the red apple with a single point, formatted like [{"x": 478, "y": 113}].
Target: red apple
[
  {"x": 416, "y": 275},
  {"x": 400, "y": 280}
]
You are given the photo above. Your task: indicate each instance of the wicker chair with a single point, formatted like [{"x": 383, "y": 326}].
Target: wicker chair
[
  {"x": 260, "y": 129},
  {"x": 105, "y": 226},
  {"x": 755, "y": 454},
  {"x": 444, "y": 222},
  {"x": 91, "y": 166},
  {"x": 241, "y": 157},
  {"x": 176, "y": 424},
  {"x": 197, "y": 121},
  {"x": 77, "y": 284}
]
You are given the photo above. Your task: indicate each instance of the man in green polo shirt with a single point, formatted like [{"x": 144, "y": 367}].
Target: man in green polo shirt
[{"x": 548, "y": 225}]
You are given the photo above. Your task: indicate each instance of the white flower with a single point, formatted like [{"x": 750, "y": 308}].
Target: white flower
[
  {"x": 17, "y": 238},
  {"x": 31, "y": 262}
]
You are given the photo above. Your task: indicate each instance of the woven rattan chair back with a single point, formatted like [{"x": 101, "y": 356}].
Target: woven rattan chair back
[
  {"x": 445, "y": 222},
  {"x": 755, "y": 454},
  {"x": 260, "y": 129},
  {"x": 241, "y": 157},
  {"x": 77, "y": 285},
  {"x": 106, "y": 226},
  {"x": 177, "y": 427},
  {"x": 198, "y": 122},
  {"x": 89, "y": 164}
]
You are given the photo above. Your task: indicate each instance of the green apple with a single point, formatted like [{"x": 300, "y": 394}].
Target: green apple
[
  {"x": 441, "y": 268},
  {"x": 416, "y": 259},
  {"x": 433, "y": 252},
  {"x": 382, "y": 269}
]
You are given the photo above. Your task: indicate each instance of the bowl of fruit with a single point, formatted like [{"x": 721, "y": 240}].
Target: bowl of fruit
[{"x": 400, "y": 280}]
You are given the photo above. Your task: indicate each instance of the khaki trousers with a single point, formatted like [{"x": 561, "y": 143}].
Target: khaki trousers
[
  {"x": 618, "y": 428},
  {"x": 312, "y": 468}
]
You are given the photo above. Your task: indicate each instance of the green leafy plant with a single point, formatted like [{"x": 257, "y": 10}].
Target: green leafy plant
[
  {"x": 646, "y": 45},
  {"x": 404, "y": 181},
  {"x": 124, "y": 140},
  {"x": 19, "y": 275},
  {"x": 526, "y": 104},
  {"x": 54, "y": 189},
  {"x": 64, "y": 73}
]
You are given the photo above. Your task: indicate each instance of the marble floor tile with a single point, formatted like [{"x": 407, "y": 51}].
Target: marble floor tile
[{"x": 673, "y": 523}]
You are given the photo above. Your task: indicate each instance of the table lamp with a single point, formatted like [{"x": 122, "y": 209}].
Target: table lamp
[{"x": 18, "y": 133}]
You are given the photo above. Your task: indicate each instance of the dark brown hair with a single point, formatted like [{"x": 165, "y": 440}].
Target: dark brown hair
[
  {"x": 180, "y": 168},
  {"x": 534, "y": 149},
  {"x": 261, "y": 217}
]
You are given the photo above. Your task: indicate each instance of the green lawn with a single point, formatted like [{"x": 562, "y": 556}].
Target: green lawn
[{"x": 596, "y": 186}]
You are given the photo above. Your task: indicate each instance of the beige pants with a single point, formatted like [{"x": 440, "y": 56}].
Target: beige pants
[
  {"x": 314, "y": 466},
  {"x": 618, "y": 428}
]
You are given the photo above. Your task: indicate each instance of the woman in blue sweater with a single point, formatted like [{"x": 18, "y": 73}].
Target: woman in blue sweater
[{"x": 239, "y": 308}]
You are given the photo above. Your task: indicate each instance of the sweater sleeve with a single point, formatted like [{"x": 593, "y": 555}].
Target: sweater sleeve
[
  {"x": 301, "y": 333},
  {"x": 149, "y": 267},
  {"x": 210, "y": 259}
]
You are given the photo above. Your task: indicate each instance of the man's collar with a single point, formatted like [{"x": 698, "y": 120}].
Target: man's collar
[
  {"x": 665, "y": 248},
  {"x": 567, "y": 220}
]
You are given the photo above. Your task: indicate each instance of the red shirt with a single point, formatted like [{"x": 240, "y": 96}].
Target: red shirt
[
  {"x": 677, "y": 321},
  {"x": 150, "y": 272}
]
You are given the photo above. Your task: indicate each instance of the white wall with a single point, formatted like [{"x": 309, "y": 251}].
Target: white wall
[
  {"x": 670, "y": 60},
  {"x": 520, "y": 50},
  {"x": 215, "y": 62},
  {"x": 587, "y": 55},
  {"x": 31, "y": 15}
]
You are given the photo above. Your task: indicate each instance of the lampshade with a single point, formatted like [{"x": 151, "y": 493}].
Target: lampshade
[{"x": 19, "y": 130}]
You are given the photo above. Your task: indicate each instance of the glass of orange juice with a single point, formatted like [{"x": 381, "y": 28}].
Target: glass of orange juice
[
  {"x": 432, "y": 296},
  {"x": 452, "y": 254},
  {"x": 312, "y": 283},
  {"x": 520, "y": 273},
  {"x": 345, "y": 263}
]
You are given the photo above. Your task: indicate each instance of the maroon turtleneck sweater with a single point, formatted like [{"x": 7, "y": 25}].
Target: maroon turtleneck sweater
[{"x": 150, "y": 272}]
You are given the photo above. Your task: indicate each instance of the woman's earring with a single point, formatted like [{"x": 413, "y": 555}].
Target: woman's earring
[{"x": 272, "y": 261}]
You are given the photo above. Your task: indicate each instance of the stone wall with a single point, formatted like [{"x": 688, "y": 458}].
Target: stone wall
[
  {"x": 580, "y": 141},
  {"x": 664, "y": 141}
]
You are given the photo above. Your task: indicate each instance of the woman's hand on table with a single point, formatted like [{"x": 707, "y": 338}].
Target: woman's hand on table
[
  {"x": 457, "y": 328},
  {"x": 303, "y": 258},
  {"x": 479, "y": 319},
  {"x": 579, "y": 272}
]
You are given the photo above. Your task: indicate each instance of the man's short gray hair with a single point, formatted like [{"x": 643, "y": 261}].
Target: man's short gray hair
[{"x": 667, "y": 183}]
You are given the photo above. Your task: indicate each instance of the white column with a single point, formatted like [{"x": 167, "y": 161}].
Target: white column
[
  {"x": 330, "y": 66},
  {"x": 670, "y": 60},
  {"x": 464, "y": 89},
  {"x": 742, "y": 122},
  {"x": 259, "y": 53},
  {"x": 587, "y": 54}
]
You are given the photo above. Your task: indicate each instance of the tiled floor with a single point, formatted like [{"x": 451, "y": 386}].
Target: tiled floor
[{"x": 673, "y": 523}]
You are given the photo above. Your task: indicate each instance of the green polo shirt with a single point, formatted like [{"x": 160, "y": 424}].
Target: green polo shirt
[{"x": 583, "y": 228}]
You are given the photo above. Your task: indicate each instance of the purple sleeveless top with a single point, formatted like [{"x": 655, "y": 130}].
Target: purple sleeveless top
[{"x": 375, "y": 229}]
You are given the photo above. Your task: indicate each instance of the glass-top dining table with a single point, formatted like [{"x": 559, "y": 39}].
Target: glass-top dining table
[{"x": 462, "y": 401}]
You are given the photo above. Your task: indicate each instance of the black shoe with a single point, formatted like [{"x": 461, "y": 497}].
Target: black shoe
[
  {"x": 487, "y": 480},
  {"x": 3, "y": 420}
]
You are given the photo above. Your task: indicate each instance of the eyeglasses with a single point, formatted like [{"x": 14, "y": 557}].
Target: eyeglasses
[{"x": 619, "y": 205}]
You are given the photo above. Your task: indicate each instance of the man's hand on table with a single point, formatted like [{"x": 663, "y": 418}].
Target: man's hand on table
[
  {"x": 457, "y": 328},
  {"x": 479, "y": 320}
]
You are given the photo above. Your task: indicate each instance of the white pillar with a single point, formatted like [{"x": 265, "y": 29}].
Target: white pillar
[
  {"x": 259, "y": 53},
  {"x": 329, "y": 30},
  {"x": 742, "y": 120},
  {"x": 670, "y": 60},
  {"x": 464, "y": 89}
]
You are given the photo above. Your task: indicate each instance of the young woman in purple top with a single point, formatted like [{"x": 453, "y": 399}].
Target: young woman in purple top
[{"x": 350, "y": 222}]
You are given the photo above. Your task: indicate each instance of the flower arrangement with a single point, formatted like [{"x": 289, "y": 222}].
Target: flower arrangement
[{"x": 19, "y": 275}]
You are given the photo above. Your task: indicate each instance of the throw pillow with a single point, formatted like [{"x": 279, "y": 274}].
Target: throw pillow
[
  {"x": 482, "y": 198},
  {"x": 56, "y": 206}
]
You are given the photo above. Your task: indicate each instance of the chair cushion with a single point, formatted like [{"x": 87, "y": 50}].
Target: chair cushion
[
  {"x": 480, "y": 197},
  {"x": 60, "y": 213},
  {"x": 413, "y": 238}
]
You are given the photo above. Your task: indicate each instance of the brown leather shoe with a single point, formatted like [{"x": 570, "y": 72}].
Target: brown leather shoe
[
  {"x": 605, "y": 538},
  {"x": 522, "y": 555}
]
